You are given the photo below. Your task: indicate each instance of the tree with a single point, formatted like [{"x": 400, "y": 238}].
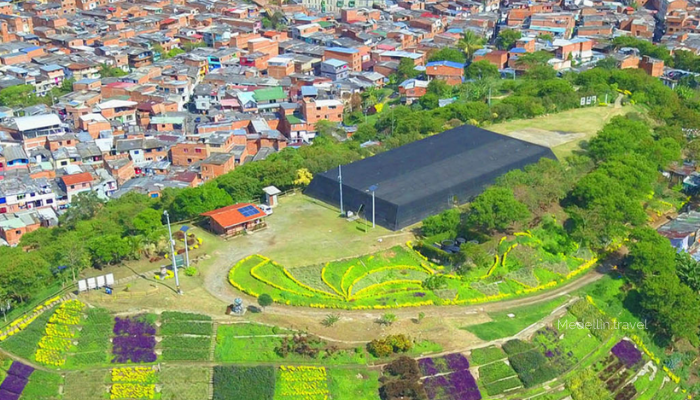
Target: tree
[
  {"x": 108, "y": 71},
  {"x": 74, "y": 253},
  {"x": 446, "y": 221},
  {"x": 506, "y": 38},
  {"x": 83, "y": 206},
  {"x": 545, "y": 37},
  {"x": 364, "y": 133},
  {"x": 304, "y": 177},
  {"x": 18, "y": 96},
  {"x": 22, "y": 274},
  {"x": 482, "y": 70},
  {"x": 429, "y": 101},
  {"x": 607, "y": 63},
  {"x": 586, "y": 385},
  {"x": 194, "y": 201},
  {"x": 435, "y": 282},
  {"x": 470, "y": 42},
  {"x": 406, "y": 70},
  {"x": 448, "y": 54},
  {"x": 148, "y": 222},
  {"x": 326, "y": 128},
  {"x": 264, "y": 300},
  {"x": 108, "y": 249},
  {"x": 688, "y": 270},
  {"x": 496, "y": 209},
  {"x": 533, "y": 59},
  {"x": 189, "y": 46}
]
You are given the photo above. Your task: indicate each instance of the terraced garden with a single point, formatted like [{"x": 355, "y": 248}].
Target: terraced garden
[
  {"x": 396, "y": 277},
  {"x": 149, "y": 356}
]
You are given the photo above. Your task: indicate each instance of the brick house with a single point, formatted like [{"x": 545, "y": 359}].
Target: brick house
[
  {"x": 450, "y": 72},
  {"x": 235, "y": 219},
  {"x": 216, "y": 165}
]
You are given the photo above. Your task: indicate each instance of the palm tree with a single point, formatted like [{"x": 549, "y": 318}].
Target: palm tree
[{"x": 470, "y": 42}]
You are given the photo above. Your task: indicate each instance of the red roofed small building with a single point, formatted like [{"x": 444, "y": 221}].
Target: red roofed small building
[
  {"x": 236, "y": 219},
  {"x": 76, "y": 183}
]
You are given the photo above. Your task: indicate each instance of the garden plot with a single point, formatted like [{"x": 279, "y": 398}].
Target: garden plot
[
  {"x": 53, "y": 347},
  {"x": 186, "y": 336},
  {"x": 486, "y": 355},
  {"x": 134, "y": 339},
  {"x": 43, "y": 386},
  {"x": 16, "y": 379},
  {"x": 133, "y": 383},
  {"x": 184, "y": 382},
  {"x": 93, "y": 346},
  {"x": 250, "y": 383},
  {"x": 24, "y": 343},
  {"x": 86, "y": 385},
  {"x": 353, "y": 384},
  {"x": 449, "y": 378},
  {"x": 498, "y": 377},
  {"x": 259, "y": 343},
  {"x": 301, "y": 383}
]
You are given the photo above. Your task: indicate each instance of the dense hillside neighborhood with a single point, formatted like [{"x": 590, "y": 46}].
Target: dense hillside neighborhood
[{"x": 349, "y": 200}]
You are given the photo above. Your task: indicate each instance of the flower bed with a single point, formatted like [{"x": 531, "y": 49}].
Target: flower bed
[
  {"x": 58, "y": 334},
  {"x": 301, "y": 383},
  {"x": 14, "y": 383},
  {"x": 626, "y": 352},
  {"x": 455, "y": 382},
  {"x": 134, "y": 340},
  {"x": 93, "y": 340},
  {"x": 133, "y": 383}
]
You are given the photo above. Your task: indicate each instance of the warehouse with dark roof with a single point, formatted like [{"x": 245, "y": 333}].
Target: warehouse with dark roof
[{"x": 425, "y": 177}]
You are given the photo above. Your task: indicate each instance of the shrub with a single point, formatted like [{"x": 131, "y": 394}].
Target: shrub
[
  {"x": 187, "y": 328},
  {"x": 499, "y": 387},
  {"x": 446, "y": 221},
  {"x": 389, "y": 345},
  {"x": 191, "y": 271},
  {"x": 496, "y": 371},
  {"x": 516, "y": 346},
  {"x": 250, "y": 383}
]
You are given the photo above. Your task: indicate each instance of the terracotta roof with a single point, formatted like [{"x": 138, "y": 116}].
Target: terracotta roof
[
  {"x": 231, "y": 216},
  {"x": 77, "y": 178}
]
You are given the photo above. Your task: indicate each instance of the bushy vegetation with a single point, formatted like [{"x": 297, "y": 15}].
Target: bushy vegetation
[{"x": 254, "y": 383}]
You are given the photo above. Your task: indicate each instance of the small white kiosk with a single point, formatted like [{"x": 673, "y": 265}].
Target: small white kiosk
[{"x": 271, "y": 193}]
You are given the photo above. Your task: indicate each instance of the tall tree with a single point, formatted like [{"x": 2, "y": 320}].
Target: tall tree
[
  {"x": 470, "y": 42},
  {"x": 506, "y": 38},
  {"x": 496, "y": 209}
]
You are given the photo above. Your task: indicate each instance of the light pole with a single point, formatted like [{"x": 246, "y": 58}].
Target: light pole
[
  {"x": 373, "y": 189},
  {"x": 340, "y": 182},
  {"x": 172, "y": 250}
]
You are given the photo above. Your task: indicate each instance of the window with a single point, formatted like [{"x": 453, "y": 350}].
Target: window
[
  {"x": 197, "y": 150},
  {"x": 32, "y": 194},
  {"x": 136, "y": 152},
  {"x": 185, "y": 150},
  {"x": 20, "y": 197},
  {"x": 49, "y": 201},
  {"x": 72, "y": 186},
  {"x": 18, "y": 232},
  {"x": 189, "y": 161}
]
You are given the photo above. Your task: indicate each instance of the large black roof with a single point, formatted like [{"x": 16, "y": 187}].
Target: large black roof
[{"x": 424, "y": 177}]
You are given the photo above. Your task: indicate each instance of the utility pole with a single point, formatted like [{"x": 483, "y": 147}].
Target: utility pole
[
  {"x": 172, "y": 251},
  {"x": 489, "y": 96},
  {"x": 340, "y": 183}
]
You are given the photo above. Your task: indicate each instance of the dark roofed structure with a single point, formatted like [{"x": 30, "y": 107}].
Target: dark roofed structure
[{"x": 424, "y": 178}]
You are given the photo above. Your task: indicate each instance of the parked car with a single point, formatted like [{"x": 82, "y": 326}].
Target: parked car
[{"x": 267, "y": 209}]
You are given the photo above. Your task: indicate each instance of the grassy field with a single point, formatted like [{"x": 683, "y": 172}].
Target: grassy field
[
  {"x": 503, "y": 326},
  {"x": 576, "y": 125},
  {"x": 353, "y": 384}
]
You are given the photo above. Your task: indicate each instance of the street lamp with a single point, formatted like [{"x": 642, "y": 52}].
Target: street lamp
[
  {"x": 373, "y": 189},
  {"x": 172, "y": 250}
]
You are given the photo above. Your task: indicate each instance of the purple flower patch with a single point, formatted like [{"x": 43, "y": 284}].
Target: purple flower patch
[
  {"x": 5, "y": 395},
  {"x": 463, "y": 386},
  {"x": 457, "y": 361},
  {"x": 627, "y": 353},
  {"x": 13, "y": 384},
  {"x": 20, "y": 370},
  {"x": 427, "y": 367},
  {"x": 436, "y": 387},
  {"x": 419, "y": 294},
  {"x": 134, "y": 341}
]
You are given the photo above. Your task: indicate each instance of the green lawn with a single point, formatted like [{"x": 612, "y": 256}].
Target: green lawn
[
  {"x": 585, "y": 121},
  {"x": 353, "y": 384},
  {"x": 503, "y": 326}
]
